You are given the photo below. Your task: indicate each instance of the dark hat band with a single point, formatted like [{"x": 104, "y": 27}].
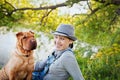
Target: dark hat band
[
  {"x": 62, "y": 33},
  {"x": 70, "y": 37}
]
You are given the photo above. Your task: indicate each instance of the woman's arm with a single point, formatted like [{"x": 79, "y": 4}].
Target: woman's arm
[
  {"x": 71, "y": 65},
  {"x": 39, "y": 65}
]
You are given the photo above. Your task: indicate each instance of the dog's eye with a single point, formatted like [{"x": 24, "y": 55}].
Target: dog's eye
[{"x": 24, "y": 37}]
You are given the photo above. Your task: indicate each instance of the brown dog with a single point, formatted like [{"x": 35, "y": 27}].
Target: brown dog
[{"x": 21, "y": 63}]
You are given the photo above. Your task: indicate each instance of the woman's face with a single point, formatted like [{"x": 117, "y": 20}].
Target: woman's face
[{"x": 61, "y": 42}]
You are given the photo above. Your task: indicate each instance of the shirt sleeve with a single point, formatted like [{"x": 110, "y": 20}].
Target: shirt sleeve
[
  {"x": 39, "y": 65},
  {"x": 71, "y": 65}
]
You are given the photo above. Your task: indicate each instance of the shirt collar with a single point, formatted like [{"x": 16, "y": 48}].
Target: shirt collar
[{"x": 58, "y": 53}]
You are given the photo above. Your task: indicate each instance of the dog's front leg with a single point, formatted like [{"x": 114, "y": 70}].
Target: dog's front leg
[
  {"x": 29, "y": 76},
  {"x": 12, "y": 76}
]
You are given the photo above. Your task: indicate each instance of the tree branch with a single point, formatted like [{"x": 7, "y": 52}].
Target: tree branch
[
  {"x": 41, "y": 8},
  {"x": 115, "y": 2},
  {"x": 45, "y": 15}
]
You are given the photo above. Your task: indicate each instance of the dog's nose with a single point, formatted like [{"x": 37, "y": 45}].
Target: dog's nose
[
  {"x": 33, "y": 40},
  {"x": 33, "y": 44}
]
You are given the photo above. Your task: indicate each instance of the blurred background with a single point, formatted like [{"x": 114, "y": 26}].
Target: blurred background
[{"x": 96, "y": 23}]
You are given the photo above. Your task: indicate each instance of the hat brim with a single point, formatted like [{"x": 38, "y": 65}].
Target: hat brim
[{"x": 62, "y": 34}]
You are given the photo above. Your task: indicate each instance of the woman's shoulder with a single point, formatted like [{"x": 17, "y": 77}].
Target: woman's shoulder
[
  {"x": 67, "y": 53},
  {"x": 68, "y": 57}
]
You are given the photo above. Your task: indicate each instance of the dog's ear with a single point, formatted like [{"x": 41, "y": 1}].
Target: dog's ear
[
  {"x": 19, "y": 34},
  {"x": 31, "y": 32}
]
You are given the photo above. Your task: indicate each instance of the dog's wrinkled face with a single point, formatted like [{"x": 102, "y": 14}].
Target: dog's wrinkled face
[{"x": 26, "y": 40}]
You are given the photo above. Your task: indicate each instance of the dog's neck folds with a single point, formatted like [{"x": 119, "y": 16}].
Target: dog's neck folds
[{"x": 21, "y": 52}]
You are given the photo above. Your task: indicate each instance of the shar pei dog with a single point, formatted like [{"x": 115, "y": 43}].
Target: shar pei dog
[{"x": 21, "y": 62}]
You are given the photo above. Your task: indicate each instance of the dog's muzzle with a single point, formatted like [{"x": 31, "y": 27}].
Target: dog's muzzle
[{"x": 33, "y": 44}]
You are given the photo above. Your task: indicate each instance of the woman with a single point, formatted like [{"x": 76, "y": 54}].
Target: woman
[{"x": 64, "y": 64}]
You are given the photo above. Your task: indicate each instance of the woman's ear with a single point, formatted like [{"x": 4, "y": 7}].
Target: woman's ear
[{"x": 71, "y": 44}]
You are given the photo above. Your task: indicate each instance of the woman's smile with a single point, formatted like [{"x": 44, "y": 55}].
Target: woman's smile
[{"x": 61, "y": 42}]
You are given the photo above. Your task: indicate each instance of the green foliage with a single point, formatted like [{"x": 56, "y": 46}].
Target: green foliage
[
  {"x": 8, "y": 18},
  {"x": 103, "y": 66},
  {"x": 100, "y": 24},
  {"x": 5, "y": 9},
  {"x": 101, "y": 27}
]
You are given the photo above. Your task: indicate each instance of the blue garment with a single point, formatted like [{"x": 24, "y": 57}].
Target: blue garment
[{"x": 39, "y": 75}]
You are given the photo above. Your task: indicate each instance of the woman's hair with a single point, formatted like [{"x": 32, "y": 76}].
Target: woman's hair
[{"x": 71, "y": 45}]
